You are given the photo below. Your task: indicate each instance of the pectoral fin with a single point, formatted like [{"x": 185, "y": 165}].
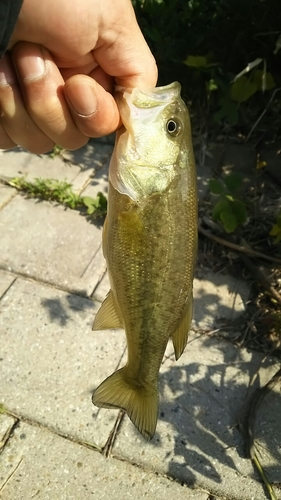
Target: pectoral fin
[
  {"x": 180, "y": 335},
  {"x": 107, "y": 315}
]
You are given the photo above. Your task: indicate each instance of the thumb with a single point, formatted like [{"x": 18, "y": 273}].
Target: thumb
[{"x": 93, "y": 109}]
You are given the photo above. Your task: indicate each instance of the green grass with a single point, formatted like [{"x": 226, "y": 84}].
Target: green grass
[{"x": 62, "y": 193}]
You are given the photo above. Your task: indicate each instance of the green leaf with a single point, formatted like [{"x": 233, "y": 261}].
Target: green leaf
[
  {"x": 211, "y": 85},
  {"x": 239, "y": 209},
  {"x": 89, "y": 202},
  {"x": 229, "y": 220},
  {"x": 96, "y": 205},
  {"x": 263, "y": 81},
  {"x": 102, "y": 202},
  {"x": 275, "y": 230},
  {"x": 196, "y": 61},
  {"x": 220, "y": 206},
  {"x": 229, "y": 197},
  {"x": 55, "y": 151},
  {"x": 278, "y": 238},
  {"x": 242, "y": 89},
  {"x": 233, "y": 181},
  {"x": 216, "y": 186}
]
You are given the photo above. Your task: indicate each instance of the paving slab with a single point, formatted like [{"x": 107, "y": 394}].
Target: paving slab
[
  {"x": 102, "y": 288},
  {"x": 52, "y": 244},
  {"x": 91, "y": 159},
  {"x": 76, "y": 167},
  {"x": 38, "y": 464},
  {"x": 196, "y": 439},
  {"x": 217, "y": 296},
  {"x": 92, "y": 155},
  {"x": 6, "y": 194},
  {"x": 18, "y": 162},
  {"x": 6, "y": 279},
  {"x": 6, "y": 425},
  {"x": 99, "y": 182},
  {"x": 268, "y": 435},
  {"x": 51, "y": 360}
]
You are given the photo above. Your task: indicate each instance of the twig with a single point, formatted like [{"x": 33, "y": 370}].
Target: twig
[
  {"x": 11, "y": 474},
  {"x": 238, "y": 248},
  {"x": 264, "y": 477},
  {"x": 259, "y": 275},
  {"x": 106, "y": 451},
  {"x": 262, "y": 114}
]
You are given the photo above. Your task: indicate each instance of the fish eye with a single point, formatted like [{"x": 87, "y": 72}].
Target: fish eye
[{"x": 173, "y": 127}]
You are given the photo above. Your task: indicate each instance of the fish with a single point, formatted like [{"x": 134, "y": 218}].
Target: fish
[{"x": 150, "y": 246}]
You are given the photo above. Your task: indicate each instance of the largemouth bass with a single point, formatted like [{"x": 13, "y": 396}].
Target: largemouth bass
[{"x": 150, "y": 246}]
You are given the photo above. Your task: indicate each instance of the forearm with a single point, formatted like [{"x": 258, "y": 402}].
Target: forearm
[{"x": 9, "y": 11}]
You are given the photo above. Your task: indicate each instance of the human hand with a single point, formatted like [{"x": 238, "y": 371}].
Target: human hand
[{"x": 65, "y": 58}]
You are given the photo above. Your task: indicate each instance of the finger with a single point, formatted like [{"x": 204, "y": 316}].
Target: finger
[
  {"x": 127, "y": 56},
  {"x": 5, "y": 141},
  {"x": 18, "y": 128},
  {"x": 42, "y": 88},
  {"x": 93, "y": 109}
]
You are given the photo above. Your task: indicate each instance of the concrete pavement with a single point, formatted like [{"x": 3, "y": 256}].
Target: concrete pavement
[{"x": 52, "y": 439}]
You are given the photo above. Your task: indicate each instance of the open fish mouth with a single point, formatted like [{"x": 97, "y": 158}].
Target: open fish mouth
[{"x": 135, "y": 104}]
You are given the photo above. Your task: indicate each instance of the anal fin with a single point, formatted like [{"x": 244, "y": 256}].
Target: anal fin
[
  {"x": 180, "y": 335},
  {"x": 108, "y": 315}
]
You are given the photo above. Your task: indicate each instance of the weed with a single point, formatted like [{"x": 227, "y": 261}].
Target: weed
[
  {"x": 56, "y": 151},
  {"x": 229, "y": 210},
  {"x": 61, "y": 192}
]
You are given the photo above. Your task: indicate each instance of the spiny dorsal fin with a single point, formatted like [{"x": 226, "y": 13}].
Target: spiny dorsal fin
[
  {"x": 107, "y": 315},
  {"x": 180, "y": 335}
]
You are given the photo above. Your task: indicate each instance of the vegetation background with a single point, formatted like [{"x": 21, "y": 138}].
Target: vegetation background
[{"x": 225, "y": 53}]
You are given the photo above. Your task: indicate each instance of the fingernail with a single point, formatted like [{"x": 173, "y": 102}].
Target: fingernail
[
  {"x": 7, "y": 73},
  {"x": 84, "y": 103},
  {"x": 31, "y": 66}
]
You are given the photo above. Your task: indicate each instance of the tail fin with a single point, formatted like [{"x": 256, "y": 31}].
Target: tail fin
[{"x": 140, "y": 403}]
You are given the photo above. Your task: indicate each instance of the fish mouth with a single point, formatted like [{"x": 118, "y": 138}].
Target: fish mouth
[
  {"x": 134, "y": 103},
  {"x": 157, "y": 95},
  {"x": 121, "y": 130}
]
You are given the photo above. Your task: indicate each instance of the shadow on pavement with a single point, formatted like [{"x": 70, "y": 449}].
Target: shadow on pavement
[
  {"x": 92, "y": 156},
  {"x": 58, "y": 310},
  {"x": 202, "y": 401}
]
